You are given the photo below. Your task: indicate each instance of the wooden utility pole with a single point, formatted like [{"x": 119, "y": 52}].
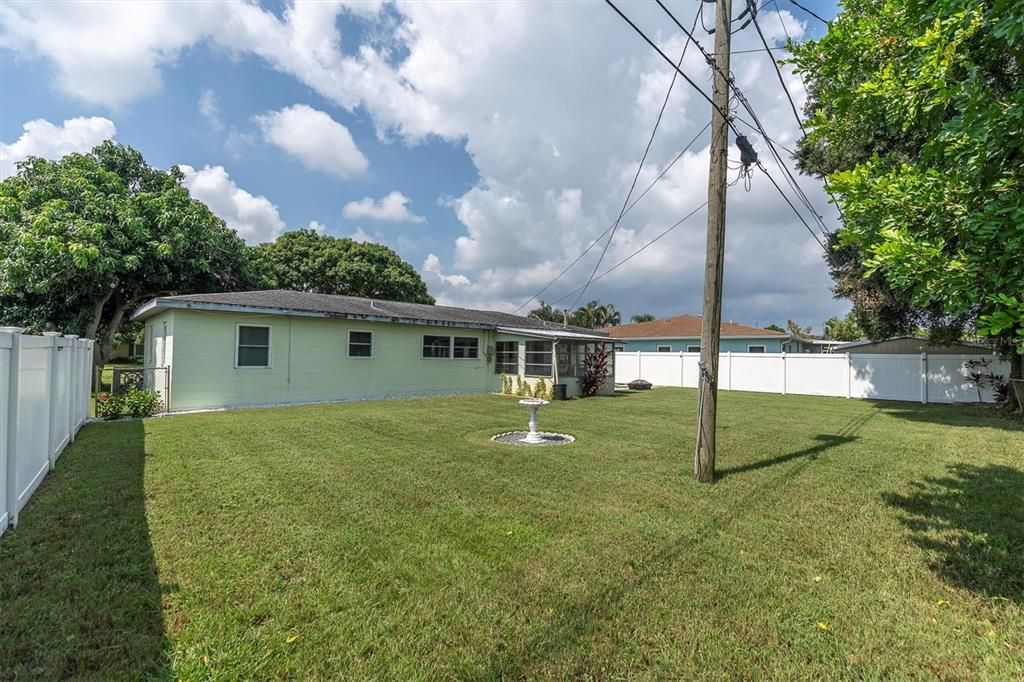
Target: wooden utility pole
[{"x": 704, "y": 453}]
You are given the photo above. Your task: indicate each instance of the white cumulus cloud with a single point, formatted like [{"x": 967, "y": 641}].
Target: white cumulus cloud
[
  {"x": 209, "y": 109},
  {"x": 320, "y": 142},
  {"x": 393, "y": 207},
  {"x": 255, "y": 218},
  {"x": 51, "y": 141},
  {"x": 432, "y": 266}
]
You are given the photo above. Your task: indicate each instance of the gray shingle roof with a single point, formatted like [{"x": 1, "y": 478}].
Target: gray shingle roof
[{"x": 284, "y": 302}]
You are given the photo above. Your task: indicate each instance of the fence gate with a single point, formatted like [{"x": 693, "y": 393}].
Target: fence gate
[{"x": 156, "y": 379}]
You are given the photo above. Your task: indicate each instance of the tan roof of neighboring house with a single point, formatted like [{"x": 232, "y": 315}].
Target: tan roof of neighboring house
[{"x": 681, "y": 326}]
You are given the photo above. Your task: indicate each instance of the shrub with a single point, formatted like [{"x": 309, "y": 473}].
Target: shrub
[
  {"x": 108, "y": 405},
  {"x": 135, "y": 402},
  {"x": 506, "y": 384},
  {"x": 540, "y": 389},
  {"x": 521, "y": 387},
  {"x": 595, "y": 371}
]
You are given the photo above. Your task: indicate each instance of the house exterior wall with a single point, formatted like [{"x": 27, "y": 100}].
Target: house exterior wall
[
  {"x": 310, "y": 363},
  {"x": 735, "y": 345}
]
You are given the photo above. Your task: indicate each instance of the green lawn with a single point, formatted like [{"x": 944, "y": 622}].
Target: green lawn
[{"x": 393, "y": 540}]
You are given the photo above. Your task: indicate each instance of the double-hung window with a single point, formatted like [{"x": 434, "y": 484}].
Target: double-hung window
[
  {"x": 457, "y": 347},
  {"x": 664, "y": 349},
  {"x": 506, "y": 357},
  {"x": 755, "y": 349},
  {"x": 465, "y": 348},
  {"x": 437, "y": 346},
  {"x": 538, "y": 358},
  {"x": 252, "y": 346},
  {"x": 360, "y": 344}
]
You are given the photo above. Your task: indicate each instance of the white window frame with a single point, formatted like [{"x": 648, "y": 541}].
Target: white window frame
[
  {"x": 664, "y": 349},
  {"x": 693, "y": 349},
  {"x": 423, "y": 344},
  {"x": 270, "y": 345},
  {"x": 348, "y": 344},
  {"x": 451, "y": 347},
  {"x": 498, "y": 364},
  {"x": 551, "y": 364},
  {"x": 451, "y": 352},
  {"x": 764, "y": 348}
]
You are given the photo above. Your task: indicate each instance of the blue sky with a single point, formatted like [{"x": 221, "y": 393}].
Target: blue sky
[{"x": 510, "y": 132}]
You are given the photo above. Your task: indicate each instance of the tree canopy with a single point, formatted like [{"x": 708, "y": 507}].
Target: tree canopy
[
  {"x": 593, "y": 315},
  {"x": 85, "y": 239},
  {"x": 916, "y": 110},
  {"x": 303, "y": 260},
  {"x": 642, "y": 317},
  {"x": 843, "y": 328}
]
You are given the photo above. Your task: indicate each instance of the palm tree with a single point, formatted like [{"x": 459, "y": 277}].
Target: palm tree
[
  {"x": 547, "y": 312},
  {"x": 610, "y": 316},
  {"x": 642, "y": 317}
]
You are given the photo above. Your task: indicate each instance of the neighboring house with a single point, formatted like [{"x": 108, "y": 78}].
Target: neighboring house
[
  {"x": 280, "y": 347},
  {"x": 812, "y": 344},
  {"x": 130, "y": 351},
  {"x": 911, "y": 344},
  {"x": 682, "y": 334}
]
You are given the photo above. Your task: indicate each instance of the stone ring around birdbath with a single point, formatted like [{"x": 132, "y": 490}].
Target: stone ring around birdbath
[{"x": 533, "y": 436}]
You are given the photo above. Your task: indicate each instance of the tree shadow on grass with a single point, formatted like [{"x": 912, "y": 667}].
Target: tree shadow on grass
[
  {"x": 961, "y": 414},
  {"x": 972, "y": 522},
  {"x": 825, "y": 443},
  {"x": 78, "y": 582}
]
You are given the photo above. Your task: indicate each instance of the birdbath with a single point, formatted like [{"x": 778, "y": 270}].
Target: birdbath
[{"x": 533, "y": 403}]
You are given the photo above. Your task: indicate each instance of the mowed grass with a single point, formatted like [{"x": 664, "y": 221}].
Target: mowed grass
[{"x": 394, "y": 540}]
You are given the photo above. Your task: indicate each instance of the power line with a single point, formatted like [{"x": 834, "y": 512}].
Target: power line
[
  {"x": 792, "y": 104},
  {"x": 594, "y": 243},
  {"x": 824, "y": 21},
  {"x": 783, "y": 194},
  {"x": 638, "y": 251},
  {"x": 778, "y": 71},
  {"x": 640, "y": 166},
  {"x": 666, "y": 57},
  {"x": 731, "y": 81}
]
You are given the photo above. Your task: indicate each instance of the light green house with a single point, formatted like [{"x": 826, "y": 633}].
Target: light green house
[{"x": 286, "y": 347}]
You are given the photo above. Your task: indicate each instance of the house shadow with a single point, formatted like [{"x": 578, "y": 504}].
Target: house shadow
[
  {"x": 972, "y": 523},
  {"x": 78, "y": 580}
]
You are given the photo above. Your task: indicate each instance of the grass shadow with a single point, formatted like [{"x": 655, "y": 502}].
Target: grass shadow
[
  {"x": 972, "y": 523},
  {"x": 78, "y": 581}
]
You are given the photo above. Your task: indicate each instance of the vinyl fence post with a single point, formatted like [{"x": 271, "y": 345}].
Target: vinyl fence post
[
  {"x": 682, "y": 364},
  {"x": 728, "y": 360},
  {"x": 53, "y": 366},
  {"x": 783, "y": 372},
  {"x": 849, "y": 376},
  {"x": 924, "y": 378},
  {"x": 11, "y": 465},
  {"x": 72, "y": 386},
  {"x": 639, "y": 371}
]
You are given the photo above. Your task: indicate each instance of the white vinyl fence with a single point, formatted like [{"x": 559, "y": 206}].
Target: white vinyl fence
[
  {"x": 44, "y": 400},
  {"x": 925, "y": 378}
]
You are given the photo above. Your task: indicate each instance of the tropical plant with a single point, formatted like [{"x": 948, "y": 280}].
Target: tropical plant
[
  {"x": 642, "y": 317},
  {"x": 842, "y": 328},
  {"x": 595, "y": 371},
  {"x": 547, "y": 313}
]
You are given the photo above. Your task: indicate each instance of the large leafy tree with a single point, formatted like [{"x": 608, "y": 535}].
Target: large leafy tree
[
  {"x": 916, "y": 110},
  {"x": 843, "y": 328},
  {"x": 303, "y": 260},
  {"x": 86, "y": 239}
]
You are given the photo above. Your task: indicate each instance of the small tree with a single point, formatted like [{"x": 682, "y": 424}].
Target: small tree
[{"x": 595, "y": 371}]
